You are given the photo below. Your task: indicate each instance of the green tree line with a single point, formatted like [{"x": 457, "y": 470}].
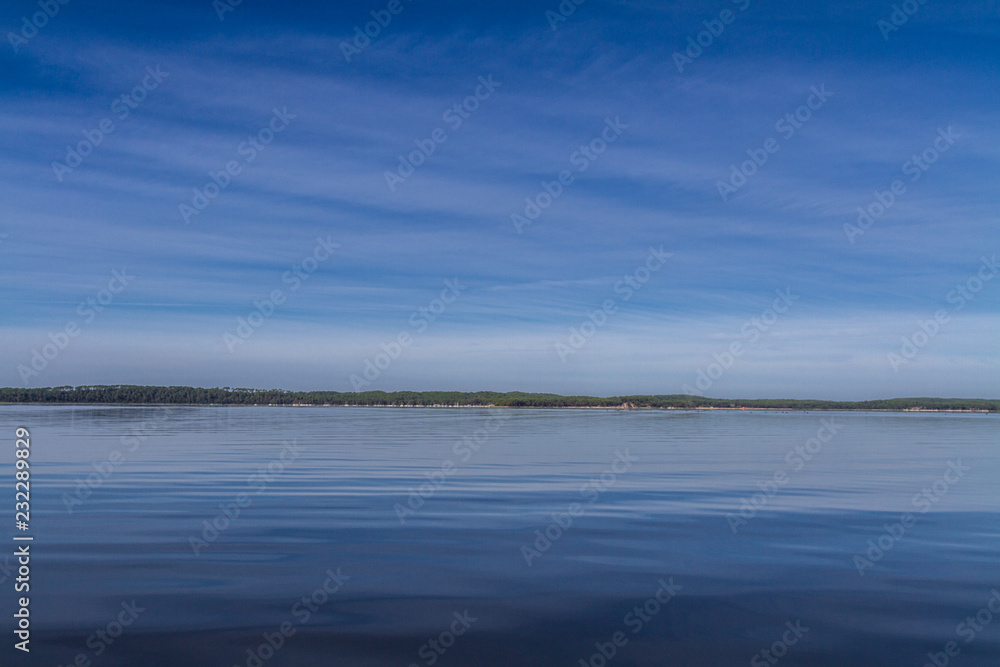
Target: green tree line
[{"x": 144, "y": 395}]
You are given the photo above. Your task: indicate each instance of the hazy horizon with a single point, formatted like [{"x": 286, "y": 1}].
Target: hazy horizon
[{"x": 529, "y": 392}]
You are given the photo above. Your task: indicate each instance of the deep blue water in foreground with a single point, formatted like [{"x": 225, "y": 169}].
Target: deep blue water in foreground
[{"x": 651, "y": 496}]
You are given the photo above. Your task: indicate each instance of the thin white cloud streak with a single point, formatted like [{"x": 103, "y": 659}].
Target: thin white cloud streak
[{"x": 633, "y": 353}]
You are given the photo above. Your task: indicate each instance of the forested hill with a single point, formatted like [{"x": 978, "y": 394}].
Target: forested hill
[{"x": 141, "y": 395}]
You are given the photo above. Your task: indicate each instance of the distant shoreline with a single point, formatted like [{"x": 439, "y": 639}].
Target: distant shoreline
[
  {"x": 497, "y": 407},
  {"x": 136, "y": 395}
]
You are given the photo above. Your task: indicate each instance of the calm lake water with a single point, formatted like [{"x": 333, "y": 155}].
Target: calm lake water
[{"x": 352, "y": 536}]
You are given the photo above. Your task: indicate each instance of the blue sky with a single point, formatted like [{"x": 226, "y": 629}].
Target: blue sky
[{"x": 343, "y": 125}]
